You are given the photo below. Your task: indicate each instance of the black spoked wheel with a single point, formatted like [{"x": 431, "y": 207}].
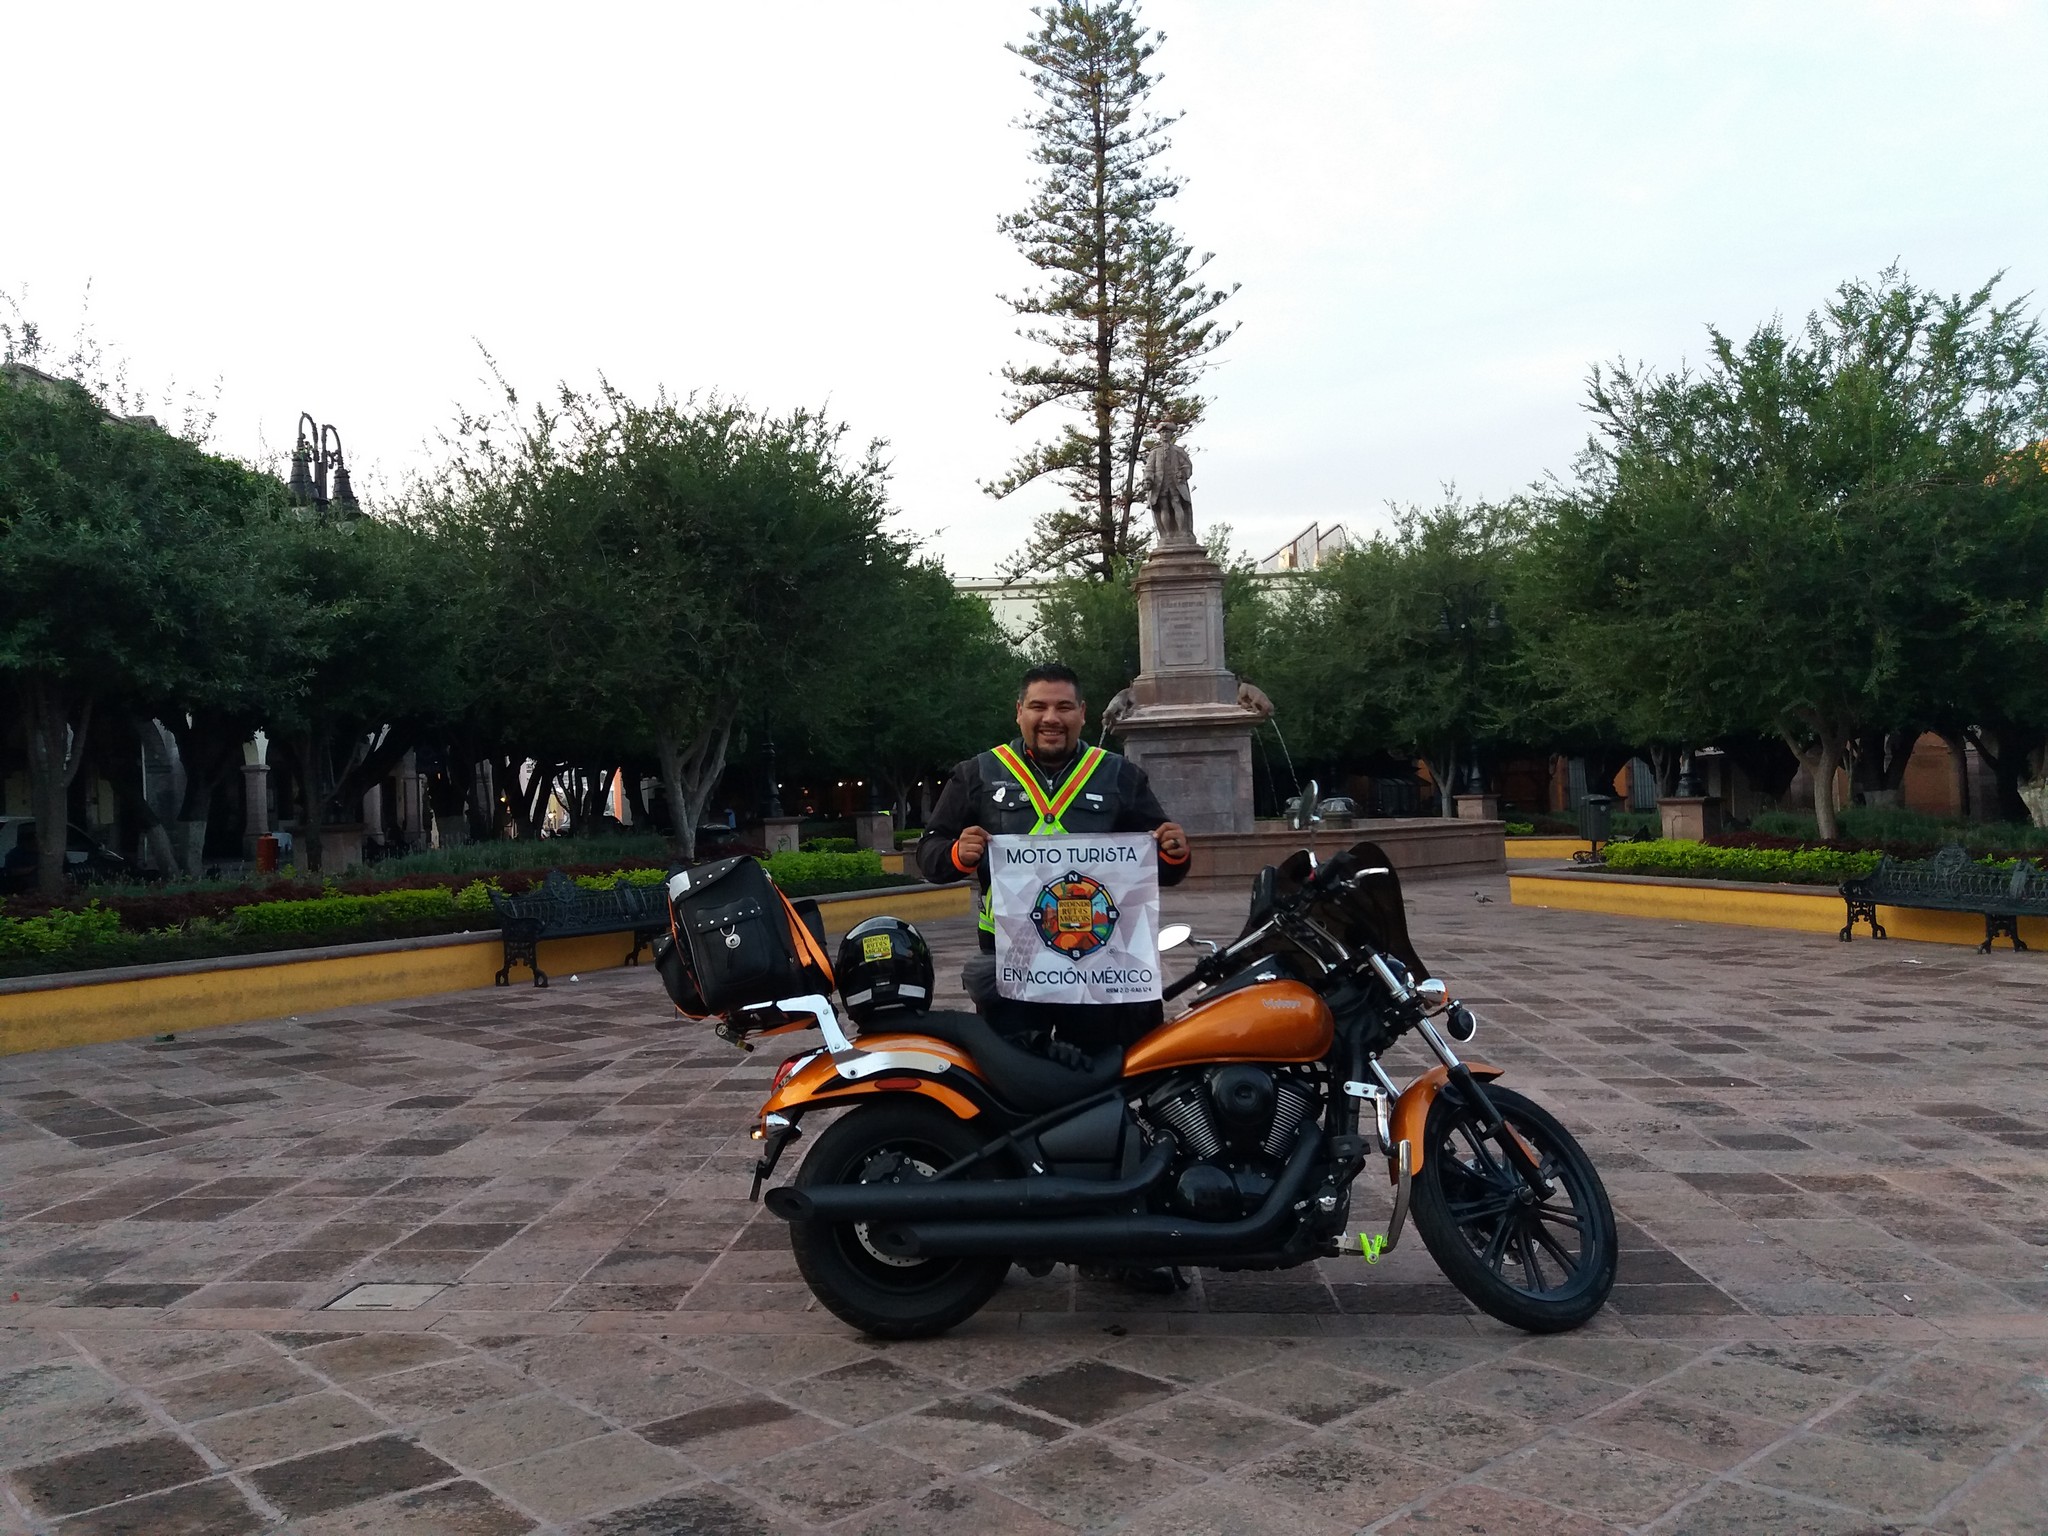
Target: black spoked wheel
[
  {"x": 1544, "y": 1265},
  {"x": 878, "y": 1292}
]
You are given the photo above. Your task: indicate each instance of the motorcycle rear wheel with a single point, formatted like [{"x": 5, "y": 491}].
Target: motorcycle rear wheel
[
  {"x": 893, "y": 1138},
  {"x": 1542, "y": 1266}
]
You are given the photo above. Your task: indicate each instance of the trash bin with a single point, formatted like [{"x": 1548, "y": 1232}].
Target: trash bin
[
  {"x": 1594, "y": 812},
  {"x": 266, "y": 855}
]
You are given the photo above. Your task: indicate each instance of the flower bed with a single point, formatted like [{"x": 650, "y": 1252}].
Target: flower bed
[{"x": 36, "y": 937}]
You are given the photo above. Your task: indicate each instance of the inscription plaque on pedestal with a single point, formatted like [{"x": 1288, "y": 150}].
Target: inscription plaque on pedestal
[{"x": 1183, "y": 632}]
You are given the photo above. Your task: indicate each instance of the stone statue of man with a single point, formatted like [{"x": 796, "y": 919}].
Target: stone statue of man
[{"x": 1168, "y": 473}]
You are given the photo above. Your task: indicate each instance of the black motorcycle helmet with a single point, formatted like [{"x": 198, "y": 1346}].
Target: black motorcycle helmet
[{"x": 883, "y": 963}]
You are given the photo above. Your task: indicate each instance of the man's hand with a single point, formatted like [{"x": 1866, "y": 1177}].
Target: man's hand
[
  {"x": 969, "y": 846},
  {"x": 1172, "y": 841}
]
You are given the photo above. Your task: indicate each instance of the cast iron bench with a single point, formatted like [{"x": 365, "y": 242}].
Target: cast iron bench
[
  {"x": 559, "y": 908},
  {"x": 1950, "y": 882}
]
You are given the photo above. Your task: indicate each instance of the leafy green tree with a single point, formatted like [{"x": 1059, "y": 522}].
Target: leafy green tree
[
  {"x": 932, "y": 675},
  {"x": 655, "y": 569},
  {"x": 1403, "y": 643},
  {"x": 1820, "y": 534},
  {"x": 1122, "y": 309},
  {"x": 379, "y": 645},
  {"x": 129, "y": 577}
]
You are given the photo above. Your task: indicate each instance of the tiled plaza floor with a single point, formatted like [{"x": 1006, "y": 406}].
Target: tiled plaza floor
[{"x": 1831, "y": 1162}]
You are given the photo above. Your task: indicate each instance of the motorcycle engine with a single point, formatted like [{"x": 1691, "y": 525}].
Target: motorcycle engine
[{"x": 1235, "y": 1126}]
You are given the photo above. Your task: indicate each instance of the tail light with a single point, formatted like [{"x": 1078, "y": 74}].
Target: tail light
[{"x": 788, "y": 1070}]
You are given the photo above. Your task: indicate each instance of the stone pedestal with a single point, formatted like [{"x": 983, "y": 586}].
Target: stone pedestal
[
  {"x": 874, "y": 829},
  {"x": 1477, "y": 807},
  {"x": 1186, "y": 728},
  {"x": 255, "y": 805},
  {"x": 1689, "y": 818},
  {"x": 412, "y": 802},
  {"x": 781, "y": 834}
]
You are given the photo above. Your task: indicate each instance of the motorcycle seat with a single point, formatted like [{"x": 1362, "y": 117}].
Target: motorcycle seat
[{"x": 1029, "y": 1082}]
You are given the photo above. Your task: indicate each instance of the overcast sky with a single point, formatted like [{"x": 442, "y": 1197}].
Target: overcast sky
[{"x": 1441, "y": 214}]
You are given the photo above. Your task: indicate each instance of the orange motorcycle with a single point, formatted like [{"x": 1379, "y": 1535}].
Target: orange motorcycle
[{"x": 1229, "y": 1137}]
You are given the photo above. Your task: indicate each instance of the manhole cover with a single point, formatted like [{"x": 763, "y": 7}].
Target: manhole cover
[{"x": 384, "y": 1298}]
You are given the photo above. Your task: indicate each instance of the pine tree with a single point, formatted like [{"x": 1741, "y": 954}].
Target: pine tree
[{"x": 1122, "y": 308}]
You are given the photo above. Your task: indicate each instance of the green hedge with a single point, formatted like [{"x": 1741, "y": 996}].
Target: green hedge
[
  {"x": 1803, "y": 866},
  {"x": 72, "y": 940},
  {"x": 325, "y": 912},
  {"x": 794, "y": 868},
  {"x": 57, "y": 931}
]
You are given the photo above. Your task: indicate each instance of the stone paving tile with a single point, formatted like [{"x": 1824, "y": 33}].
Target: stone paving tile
[
  {"x": 87, "y": 1479},
  {"x": 1623, "y": 1486},
  {"x": 289, "y": 1428},
  {"x": 349, "y": 1474},
  {"x": 590, "y": 1476},
  {"x": 572, "y": 1165},
  {"x": 451, "y": 1509},
  {"x": 215, "y": 1508}
]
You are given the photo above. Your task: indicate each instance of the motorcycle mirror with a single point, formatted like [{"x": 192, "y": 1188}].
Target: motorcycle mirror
[
  {"x": 1173, "y": 935},
  {"x": 1305, "y": 807}
]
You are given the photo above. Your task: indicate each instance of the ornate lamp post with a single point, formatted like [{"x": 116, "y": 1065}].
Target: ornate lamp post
[{"x": 312, "y": 459}]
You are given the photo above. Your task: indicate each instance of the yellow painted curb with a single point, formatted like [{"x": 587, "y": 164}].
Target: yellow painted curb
[
  {"x": 1546, "y": 847},
  {"x": 1820, "y": 911},
  {"x": 90, "y": 1012}
]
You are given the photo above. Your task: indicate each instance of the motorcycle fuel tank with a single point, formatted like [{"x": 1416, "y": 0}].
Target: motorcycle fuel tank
[{"x": 1269, "y": 1021}]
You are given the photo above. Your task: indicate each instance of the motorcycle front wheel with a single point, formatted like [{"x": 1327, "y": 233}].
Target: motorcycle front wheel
[
  {"x": 897, "y": 1139},
  {"x": 1540, "y": 1265}
]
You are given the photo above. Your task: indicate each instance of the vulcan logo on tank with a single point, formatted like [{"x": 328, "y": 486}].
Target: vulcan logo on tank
[{"x": 1074, "y": 916}]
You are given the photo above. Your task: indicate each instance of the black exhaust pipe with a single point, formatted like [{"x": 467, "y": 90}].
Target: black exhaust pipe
[
  {"x": 1093, "y": 1237},
  {"x": 949, "y": 1199}
]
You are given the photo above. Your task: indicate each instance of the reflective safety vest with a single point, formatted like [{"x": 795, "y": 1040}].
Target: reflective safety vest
[{"x": 1005, "y": 773}]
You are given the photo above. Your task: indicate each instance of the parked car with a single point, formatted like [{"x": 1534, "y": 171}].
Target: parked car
[{"x": 85, "y": 857}]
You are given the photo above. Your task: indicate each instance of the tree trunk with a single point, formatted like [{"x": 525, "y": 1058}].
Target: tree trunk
[
  {"x": 1866, "y": 771},
  {"x": 311, "y": 803},
  {"x": 1959, "y": 771},
  {"x": 1442, "y": 771},
  {"x": 128, "y": 790},
  {"x": 691, "y": 776},
  {"x": 1821, "y": 758},
  {"x": 55, "y": 749},
  {"x": 1898, "y": 753},
  {"x": 2008, "y": 764},
  {"x": 210, "y": 751}
]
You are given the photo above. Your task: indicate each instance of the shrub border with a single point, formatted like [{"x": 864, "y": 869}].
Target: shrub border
[{"x": 89, "y": 1007}]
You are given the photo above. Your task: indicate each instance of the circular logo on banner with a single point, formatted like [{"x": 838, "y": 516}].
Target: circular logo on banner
[{"x": 1074, "y": 915}]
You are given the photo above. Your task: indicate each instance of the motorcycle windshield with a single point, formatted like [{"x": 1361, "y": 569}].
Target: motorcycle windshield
[{"x": 1376, "y": 905}]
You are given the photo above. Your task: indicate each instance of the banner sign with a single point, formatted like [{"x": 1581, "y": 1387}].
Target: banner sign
[{"x": 1077, "y": 918}]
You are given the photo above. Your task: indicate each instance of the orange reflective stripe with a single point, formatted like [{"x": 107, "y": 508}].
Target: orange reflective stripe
[
  {"x": 1071, "y": 790},
  {"x": 1050, "y": 809},
  {"x": 1026, "y": 779}
]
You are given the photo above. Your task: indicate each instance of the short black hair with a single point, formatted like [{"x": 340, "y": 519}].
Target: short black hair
[{"x": 1051, "y": 672}]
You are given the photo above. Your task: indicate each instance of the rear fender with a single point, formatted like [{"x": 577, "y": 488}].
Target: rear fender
[
  {"x": 1411, "y": 1112},
  {"x": 915, "y": 1064}
]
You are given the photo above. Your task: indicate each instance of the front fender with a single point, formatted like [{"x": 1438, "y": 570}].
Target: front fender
[
  {"x": 885, "y": 1064},
  {"x": 1411, "y": 1112}
]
